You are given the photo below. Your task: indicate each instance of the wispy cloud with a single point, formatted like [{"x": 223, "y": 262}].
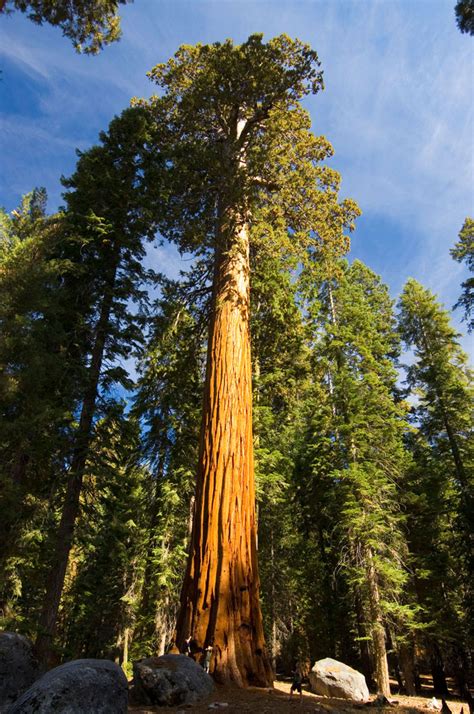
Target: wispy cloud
[{"x": 398, "y": 108}]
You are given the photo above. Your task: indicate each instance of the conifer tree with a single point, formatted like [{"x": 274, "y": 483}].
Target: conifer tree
[
  {"x": 39, "y": 379},
  {"x": 167, "y": 403},
  {"x": 103, "y": 593},
  {"x": 239, "y": 155},
  {"x": 441, "y": 523},
  {"x": 441, "y": 375},
  {"x": 108, "y": 211},
  {"x": 280, "y": 368},
  {"x": 358, "y": 344},
  {"x": 463, "y": 252}
]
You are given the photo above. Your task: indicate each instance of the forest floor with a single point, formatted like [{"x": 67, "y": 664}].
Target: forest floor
[{"x": 277, "y": 700}]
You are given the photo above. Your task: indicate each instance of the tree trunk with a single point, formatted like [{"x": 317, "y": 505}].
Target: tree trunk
[
  {"x": 274, "y": 647},
  {"x": 163, "y": 630},
  {"x": 377, "y": 629},
  {"x": 57, "y": 573},
  {"x": 126, "y": 636},
  {"x": 364, "y": 649},
  {"x": 461, "y": 674},
  {"x": 327, "y": 600},
  {"x": 220, "y": 595},
  {"x": 440, "y": 686},
  {"x": 407, "y": 666}
]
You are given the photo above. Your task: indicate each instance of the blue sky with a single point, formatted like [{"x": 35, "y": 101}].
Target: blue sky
[{"x": 398, "y": 108}]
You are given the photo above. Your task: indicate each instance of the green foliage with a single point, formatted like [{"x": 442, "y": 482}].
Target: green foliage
[
  {"x": 39, "y": 378},
  {"x": 280, "y": 369},
  {"x": 463, "y": 252},
  {"x": 168, "y": 405},
  {"x": 106, "y": 569},
  {"x": 359, "y": 345},
  {"x": 234, "y": 134},
  {"x": 440, "y": 377},
  {"x": 356, "y": 486},
  {"x": 464, "y": 10},
  {"x": 441, "y": 488},
  {"x": 111, "y": 208},
  {"x": 71, "y": 282},
  {"x": 90, "y": 24}
]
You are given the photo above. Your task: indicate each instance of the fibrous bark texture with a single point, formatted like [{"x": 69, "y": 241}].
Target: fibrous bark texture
[{"x": 220, "y": 597}]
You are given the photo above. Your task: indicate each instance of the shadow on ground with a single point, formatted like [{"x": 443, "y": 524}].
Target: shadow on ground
[{"x": 277, "y": 700}]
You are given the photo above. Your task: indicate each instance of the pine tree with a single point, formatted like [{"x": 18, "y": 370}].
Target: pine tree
[
  {"x": 440, "y": 373},
  {"x": 280, "y": 368},
  {"x": 239, "y": 155}
]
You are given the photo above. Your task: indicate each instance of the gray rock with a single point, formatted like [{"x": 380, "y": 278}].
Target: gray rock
[
  {"x": 171, "y": 680},
  {"x": 335, "y": 679},
  {"x": 18, "y": 667},
  {"x": 84, "y": 686}
]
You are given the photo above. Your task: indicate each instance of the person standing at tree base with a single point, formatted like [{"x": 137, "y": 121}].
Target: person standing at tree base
[
  {"x": 207, "y": 658},
  {"x": 296, "y": 684}
]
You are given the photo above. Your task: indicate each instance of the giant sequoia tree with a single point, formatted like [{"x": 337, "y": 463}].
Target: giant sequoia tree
[{"x": 243, "y": 169}]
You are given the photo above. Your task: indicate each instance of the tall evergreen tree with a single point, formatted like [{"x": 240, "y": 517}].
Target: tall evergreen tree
[
  {"x": 357, "y": 346},
  {"x": 106, "y": 570},
  {"x": 108, "y": 208},
  {"x": 240, "y": 155},
  {"x": 280, "y": 368},
  {"x": 39, "y": 379},
  {"x": 441, "y": 375},
  {"x": 442, "y": 524}
]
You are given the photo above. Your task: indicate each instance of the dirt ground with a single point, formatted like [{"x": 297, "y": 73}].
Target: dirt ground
[{"x": 276, "y": 701}]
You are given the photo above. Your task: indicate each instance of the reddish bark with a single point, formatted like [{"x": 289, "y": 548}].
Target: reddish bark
[{"x": 220, "y": 595}]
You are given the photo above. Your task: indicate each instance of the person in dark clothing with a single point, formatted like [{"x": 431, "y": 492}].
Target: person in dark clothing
[{"x": 297, "y": 683}]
